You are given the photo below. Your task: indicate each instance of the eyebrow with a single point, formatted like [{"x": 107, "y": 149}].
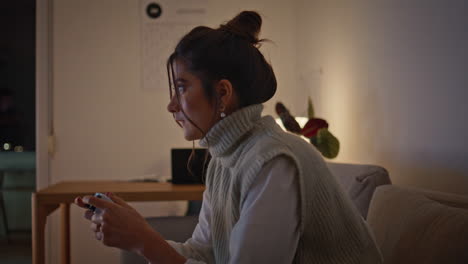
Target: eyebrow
[{"x": 182, "y": 80}]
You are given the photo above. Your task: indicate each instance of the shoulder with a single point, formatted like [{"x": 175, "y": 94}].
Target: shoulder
[
  {"x": 267, "y": 141},
  {"x": 268, "y": 144}
]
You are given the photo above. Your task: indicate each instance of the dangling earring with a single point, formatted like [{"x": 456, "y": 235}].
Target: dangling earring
[{"x": 223, "y": 115}]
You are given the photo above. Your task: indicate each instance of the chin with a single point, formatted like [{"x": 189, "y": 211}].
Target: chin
[
  {"x": 188, "y": 138},
  {"x": 191, "y": 136}
]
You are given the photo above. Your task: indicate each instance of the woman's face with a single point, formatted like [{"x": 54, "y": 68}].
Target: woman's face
[{"x": 193, "y": 101}]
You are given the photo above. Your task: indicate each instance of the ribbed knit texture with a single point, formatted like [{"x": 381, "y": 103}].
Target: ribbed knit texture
[{"x": 332, "y": 230}]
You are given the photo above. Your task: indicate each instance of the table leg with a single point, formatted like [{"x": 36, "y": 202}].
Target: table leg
[
  {"x": 65, "y": 226},
  {"x": 39, "y": 217}
]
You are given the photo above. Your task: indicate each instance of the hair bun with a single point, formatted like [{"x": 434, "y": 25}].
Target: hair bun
[{"x": 246, "y": 24}]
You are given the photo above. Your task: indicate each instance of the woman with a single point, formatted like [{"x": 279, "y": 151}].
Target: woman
[{"x": 270, "y": 197}]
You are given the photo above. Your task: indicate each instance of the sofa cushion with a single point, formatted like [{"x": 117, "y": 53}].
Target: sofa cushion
[
  {"x": 359, "y": 181},
  {"x": 415, "y": 226}
]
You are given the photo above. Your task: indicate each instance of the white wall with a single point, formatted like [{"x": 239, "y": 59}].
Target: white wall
[
  {"x": 106, "y": 125},
  {"x": 394, "y": 84}
]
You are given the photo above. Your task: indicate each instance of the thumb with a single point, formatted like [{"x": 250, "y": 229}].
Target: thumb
[{"x": 118, "y": 200}]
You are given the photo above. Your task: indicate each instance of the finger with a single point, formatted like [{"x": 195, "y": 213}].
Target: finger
[
  {"x": 98, "y": 235},
  {"x": 106, "y": 237},
  {"x": 79, "y": 201},
  {"x": 96, "y": 218},
  {"x": 98, "y": 202},
  {"x": 118, "y": 200},
  {"x": 104, "y": 228},
  {"x": 88, "y": 214},
  {"x": 95, "y": 227}
]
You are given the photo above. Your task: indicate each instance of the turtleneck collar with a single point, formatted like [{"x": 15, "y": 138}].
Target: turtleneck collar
[{"x": 227, "y": 132}]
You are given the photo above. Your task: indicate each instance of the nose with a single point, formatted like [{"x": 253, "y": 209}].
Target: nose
[{"x": 173, "y": 105}]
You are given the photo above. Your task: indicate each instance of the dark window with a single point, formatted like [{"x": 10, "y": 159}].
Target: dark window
[{"x": 17, "y": 75}]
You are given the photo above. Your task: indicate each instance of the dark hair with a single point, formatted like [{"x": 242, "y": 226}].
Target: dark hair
[{"x": 228, "y": 52}]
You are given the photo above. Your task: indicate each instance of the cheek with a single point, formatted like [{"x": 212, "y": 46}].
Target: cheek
[
  {"x": 188, "y": 107},
  {"x": 197, "y": 107},
  {"x": 192, "y": 107}
]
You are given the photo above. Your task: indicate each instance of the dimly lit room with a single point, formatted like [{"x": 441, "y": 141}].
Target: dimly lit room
[{"x": 365, "y": 111}]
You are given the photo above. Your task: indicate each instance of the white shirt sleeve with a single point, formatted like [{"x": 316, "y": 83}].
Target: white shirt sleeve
[
  {"x": 268, "y": 227},
  {"x": 198, "y": 249}
]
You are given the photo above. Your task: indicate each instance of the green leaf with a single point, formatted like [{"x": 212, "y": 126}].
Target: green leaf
[
  {"x": 326, "y": 143},
  {"x": 310, "y": 108}
]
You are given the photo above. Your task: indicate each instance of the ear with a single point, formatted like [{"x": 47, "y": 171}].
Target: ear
[{"x": 226, "y": 96}]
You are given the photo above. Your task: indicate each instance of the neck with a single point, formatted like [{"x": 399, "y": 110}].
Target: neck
[{"x": 228, "y": 131}]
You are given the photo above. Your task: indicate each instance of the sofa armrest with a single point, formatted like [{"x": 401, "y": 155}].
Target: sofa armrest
[{"x": 360, "y": 181}]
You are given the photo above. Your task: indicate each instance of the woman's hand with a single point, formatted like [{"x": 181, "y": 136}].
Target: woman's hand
[{"x": 121, "y": 226}]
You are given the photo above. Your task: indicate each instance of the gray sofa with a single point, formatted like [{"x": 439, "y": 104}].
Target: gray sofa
[
  {"x": 358, "y": 180},
  {"x": 419, "y": 226}
]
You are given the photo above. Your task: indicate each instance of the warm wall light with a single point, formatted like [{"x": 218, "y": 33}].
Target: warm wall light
[{"x": 301, "y": 120}]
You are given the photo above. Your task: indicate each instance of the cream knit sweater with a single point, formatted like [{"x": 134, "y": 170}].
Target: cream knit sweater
[{"x": 332, "y": 231}]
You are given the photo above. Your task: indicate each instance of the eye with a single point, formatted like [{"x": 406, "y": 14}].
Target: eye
[{"x": 180, "y": 89}]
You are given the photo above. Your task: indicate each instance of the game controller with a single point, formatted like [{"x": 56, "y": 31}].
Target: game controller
[{"x": 95, "y": 209}]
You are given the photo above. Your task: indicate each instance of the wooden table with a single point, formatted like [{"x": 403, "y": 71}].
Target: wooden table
[{"x": 47, "y": 200}]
